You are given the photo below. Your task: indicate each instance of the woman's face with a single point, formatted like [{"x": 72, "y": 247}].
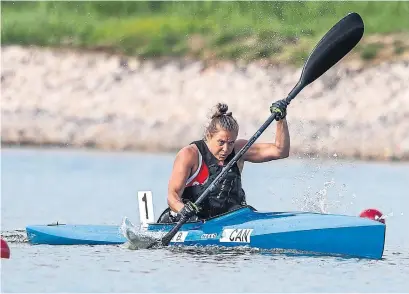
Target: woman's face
[{"x": 221, "y": 143}]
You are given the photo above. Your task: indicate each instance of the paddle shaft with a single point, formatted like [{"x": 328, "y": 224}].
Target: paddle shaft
[{"x": 166, "y": 239}]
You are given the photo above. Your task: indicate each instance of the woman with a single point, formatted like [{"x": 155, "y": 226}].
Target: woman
[{"x": 198, "y": 164}]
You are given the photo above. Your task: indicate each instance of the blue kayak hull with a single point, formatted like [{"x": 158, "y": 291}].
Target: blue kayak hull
[
  {"x": 313, "y": 232},
  {"x": 301, "y": 231},
  {"x": 75, "y": 235}
]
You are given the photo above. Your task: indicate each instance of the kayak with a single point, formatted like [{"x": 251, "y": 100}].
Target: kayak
[{"x": 331, "y": 234}]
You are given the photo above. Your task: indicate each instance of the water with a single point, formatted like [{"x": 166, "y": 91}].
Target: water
[{"x": 44, "y": 186}]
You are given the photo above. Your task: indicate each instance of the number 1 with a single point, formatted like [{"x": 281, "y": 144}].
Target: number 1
[{"x": 146, "y": 205}]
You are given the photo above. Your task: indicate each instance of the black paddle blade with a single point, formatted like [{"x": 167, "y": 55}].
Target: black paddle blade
[{"x": 335, "y": 44}]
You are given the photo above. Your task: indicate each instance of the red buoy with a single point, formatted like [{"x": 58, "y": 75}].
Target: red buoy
[
  {"x": 373, "y": 214},
  {"x": 5, "y": 250}
]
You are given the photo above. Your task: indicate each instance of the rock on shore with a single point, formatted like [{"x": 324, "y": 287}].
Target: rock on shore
[{"x": 86, "y": 99}]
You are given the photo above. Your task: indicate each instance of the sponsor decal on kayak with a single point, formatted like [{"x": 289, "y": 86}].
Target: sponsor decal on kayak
[
  {"x": 179, "y": 237},
  {"x": 209, "y": 236},
  {"x": 236, "y": 235}
]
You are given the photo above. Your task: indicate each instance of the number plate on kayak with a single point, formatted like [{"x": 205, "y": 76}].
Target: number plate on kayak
[
  {"x": 236, "y": 235},
  {"x": 179, "y": 237}
]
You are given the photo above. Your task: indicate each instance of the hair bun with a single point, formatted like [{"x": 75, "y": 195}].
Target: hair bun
[{"x": 221, "y": 109}]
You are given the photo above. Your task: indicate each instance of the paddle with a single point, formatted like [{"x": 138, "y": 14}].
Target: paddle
[{"x": 335, "y": 44}]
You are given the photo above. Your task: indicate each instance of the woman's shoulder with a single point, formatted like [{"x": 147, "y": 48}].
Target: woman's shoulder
[{"x": 189, "y": 152}]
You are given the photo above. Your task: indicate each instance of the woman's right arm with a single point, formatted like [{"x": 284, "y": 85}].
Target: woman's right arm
[{"x": 181, "y": 171}]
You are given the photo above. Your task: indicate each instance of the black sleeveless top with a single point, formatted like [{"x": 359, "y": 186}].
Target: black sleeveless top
[{"x": 228, "y": 195}]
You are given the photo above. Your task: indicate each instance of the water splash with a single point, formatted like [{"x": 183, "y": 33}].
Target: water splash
[
  {"x": 138, "y": 237},
  {"x": 315, "y": 202},
  {"x": 15, "y": 236},
  {"x": 328, "y": 197}
]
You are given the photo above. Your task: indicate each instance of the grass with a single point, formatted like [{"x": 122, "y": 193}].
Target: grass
[{"x": 225, "y": 30}]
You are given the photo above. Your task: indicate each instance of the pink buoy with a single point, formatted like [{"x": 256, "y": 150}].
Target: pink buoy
[
  {"x": 373, "y": 214},
  {"x": 5, "y": 250}
]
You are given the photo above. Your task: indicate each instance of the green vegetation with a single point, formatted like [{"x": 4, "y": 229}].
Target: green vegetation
[
  {"x": 370, "y": 51},
  {"x": 205, "y": 29},
  {"x": 399, "y": 47}
]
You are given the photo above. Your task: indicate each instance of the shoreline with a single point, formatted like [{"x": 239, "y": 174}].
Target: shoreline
[
  {"x": 294, "y": 155},
  {"x": 74, "y": 99}
]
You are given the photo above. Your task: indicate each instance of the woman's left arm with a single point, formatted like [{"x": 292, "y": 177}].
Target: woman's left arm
[{"x": 263, "y": 152}]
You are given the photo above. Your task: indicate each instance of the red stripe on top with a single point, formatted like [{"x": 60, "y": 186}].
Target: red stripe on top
[{"x": 201, "y": 177}]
